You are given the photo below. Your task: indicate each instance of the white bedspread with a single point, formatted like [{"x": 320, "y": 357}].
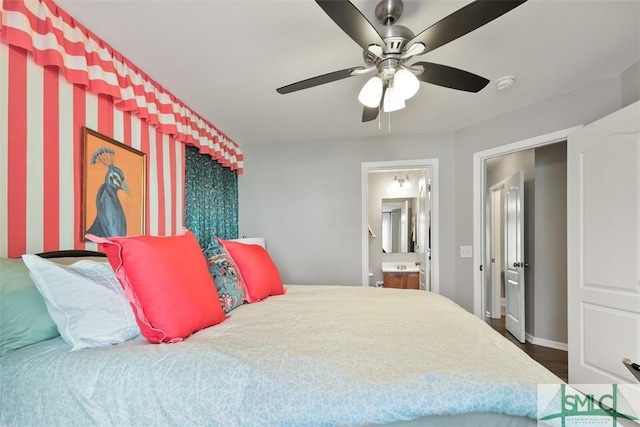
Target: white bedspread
[{"x": 318, "y": 355}]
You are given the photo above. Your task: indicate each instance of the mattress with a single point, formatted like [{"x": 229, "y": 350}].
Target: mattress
[{"x": 318, "y": 355}]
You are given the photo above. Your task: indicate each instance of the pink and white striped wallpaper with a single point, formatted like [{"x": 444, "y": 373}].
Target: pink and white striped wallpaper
[{"x": 41, "y": 120}]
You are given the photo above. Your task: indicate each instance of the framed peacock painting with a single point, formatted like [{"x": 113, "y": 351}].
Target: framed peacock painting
[{"x": 114, "y": 187}]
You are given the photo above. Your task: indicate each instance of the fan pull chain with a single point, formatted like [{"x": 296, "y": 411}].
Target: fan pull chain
[{"x": 389, "y": 130}]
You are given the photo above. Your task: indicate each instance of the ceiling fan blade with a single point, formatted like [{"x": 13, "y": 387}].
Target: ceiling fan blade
[
  {"x": 319, "y": 80},
  {"x": 352, "y": 22},
  {"x": 454, "y": 78},
  {"x": 369, "y": 113},
  {"x": 463, "y": 21}
]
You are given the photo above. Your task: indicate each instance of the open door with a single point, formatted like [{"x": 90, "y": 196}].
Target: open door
[
  {"x": 423, "y": 226},
  {"x": 603, "y": 248},
  {"x": 514, "y": 255}
]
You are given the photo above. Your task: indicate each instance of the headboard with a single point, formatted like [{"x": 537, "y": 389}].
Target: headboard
[{"x": 70, "y": 253}]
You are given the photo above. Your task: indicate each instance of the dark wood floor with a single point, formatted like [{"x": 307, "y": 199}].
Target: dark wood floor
[{"x": 554, "y": 360}]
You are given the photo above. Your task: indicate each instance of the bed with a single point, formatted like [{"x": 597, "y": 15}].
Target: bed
[{"x": 317, "y": 355}]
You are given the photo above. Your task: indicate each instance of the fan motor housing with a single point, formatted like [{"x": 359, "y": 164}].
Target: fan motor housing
[{"x": 395, "y": 38}]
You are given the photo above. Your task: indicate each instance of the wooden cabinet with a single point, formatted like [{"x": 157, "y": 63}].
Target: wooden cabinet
[{"x": 402, "y": 280}]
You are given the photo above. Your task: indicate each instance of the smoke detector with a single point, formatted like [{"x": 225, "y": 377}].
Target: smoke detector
[{"x": 505, "y": 82}]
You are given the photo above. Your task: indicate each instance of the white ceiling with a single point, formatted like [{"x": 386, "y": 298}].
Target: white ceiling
[{"x": 225, "y": 59}]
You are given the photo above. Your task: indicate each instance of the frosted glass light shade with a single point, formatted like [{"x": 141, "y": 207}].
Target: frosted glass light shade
[
  {"x": 371, "y": 92},
  {"x": 392, "y": 102},
  {"x": 406, "y": 83}
]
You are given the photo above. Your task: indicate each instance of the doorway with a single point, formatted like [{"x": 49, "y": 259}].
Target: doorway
[
  {"x": 423, "y": 229},
  {"x": 484, "y": 306}
]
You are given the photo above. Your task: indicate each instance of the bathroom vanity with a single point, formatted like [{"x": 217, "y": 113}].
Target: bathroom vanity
[
  {"x": 402, "y": 280},
  {"x": 401, "y": 275}
]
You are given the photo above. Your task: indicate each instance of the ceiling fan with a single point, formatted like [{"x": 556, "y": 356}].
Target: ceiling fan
[{"x": 389, "y": 53}]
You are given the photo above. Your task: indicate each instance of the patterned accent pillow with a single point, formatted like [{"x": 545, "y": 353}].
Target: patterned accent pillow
[{"x": 229, "y": 284}]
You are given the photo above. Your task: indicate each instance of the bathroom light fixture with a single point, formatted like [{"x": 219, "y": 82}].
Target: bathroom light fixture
[{"x": 402, "y": 182}]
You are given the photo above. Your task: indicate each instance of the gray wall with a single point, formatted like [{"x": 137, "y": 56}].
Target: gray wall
[
  {"x": 304, "y": 197},
  {"x": 550, "y": 260}
]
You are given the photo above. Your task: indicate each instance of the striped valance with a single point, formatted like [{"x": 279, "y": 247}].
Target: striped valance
[{"x": 55, "y": 38}]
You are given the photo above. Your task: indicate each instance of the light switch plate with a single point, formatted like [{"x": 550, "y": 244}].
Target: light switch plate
[{"x": 466, "y": 251}]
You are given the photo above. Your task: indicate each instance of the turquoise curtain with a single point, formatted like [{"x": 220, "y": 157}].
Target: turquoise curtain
[{"x": 211, "y": 198}]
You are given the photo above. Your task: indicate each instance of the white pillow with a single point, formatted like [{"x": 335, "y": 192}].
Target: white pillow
[{"x": 85, "y": 301}]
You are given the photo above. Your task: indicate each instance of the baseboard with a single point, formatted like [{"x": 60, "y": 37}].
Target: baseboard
[{"x": 546, "y": 343}]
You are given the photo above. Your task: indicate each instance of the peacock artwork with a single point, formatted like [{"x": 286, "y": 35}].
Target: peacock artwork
[
  {"x": 114, "y": 193},
  {"x": 110, "y": 218}
]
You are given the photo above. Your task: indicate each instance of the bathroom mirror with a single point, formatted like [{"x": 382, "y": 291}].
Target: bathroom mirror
[{"x": 399, "y": 224}]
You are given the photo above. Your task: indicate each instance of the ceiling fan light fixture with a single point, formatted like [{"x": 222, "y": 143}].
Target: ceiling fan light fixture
[
  {"x": 392, "y": 101},
  {"x": 406, "y": 83},
  {"x": 387, "y": 50},
  {"x": 371, "y": 92}
]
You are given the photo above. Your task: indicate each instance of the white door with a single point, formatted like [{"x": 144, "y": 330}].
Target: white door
[
  {"x": 514, "y": 255},
  {"x": 603, "y": 248},
  {"x": 424, "y": 213}
]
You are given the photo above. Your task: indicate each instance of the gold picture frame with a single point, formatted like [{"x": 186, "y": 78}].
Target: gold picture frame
[{"x": 114, "y": 187}]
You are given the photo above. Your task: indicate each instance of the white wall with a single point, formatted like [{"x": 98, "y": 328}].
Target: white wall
[{"x": 304, "y": 197}]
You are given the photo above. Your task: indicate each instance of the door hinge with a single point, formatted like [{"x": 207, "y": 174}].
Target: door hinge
[{"x": 480, "y": 267}]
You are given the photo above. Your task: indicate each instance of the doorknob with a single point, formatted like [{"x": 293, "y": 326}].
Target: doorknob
[{"x": 516, "y": 264}]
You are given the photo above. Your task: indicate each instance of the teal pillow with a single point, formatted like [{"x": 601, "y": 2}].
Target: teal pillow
[
  {"x": 228, "y": 282},
  {"x": 24, "y": 319}
]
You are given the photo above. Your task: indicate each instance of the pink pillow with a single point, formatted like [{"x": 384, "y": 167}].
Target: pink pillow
[
  {"x": 167, "y": 282},
  {"x": 259, "y": 274}
]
